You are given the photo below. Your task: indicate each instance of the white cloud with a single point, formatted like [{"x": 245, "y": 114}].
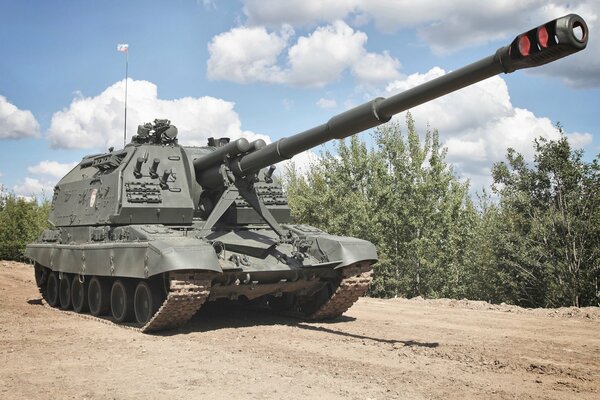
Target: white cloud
[
  {"x": 391, "y": 16},
  {"x": 33, "y": 187},
  {"x": 97, "y": 122},
  {"x": 252, "y": 54},
  {"x": 447, "y": 26},
  {"x": 302, "y": 163},
  {"x": 326, "y": 103},
  {"x": 579, "y": 140},
  {"x": 16, "y": 123},
  {"x": 479, "y": 123},
  {"x": 52, "y": 169},
  {"x": 247, "y": 54},
  {"x": 376, "y": 68},
  {"x": 43, "y": 177},
  {"x": 322, "y": 56}
]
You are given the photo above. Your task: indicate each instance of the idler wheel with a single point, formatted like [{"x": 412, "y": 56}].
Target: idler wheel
[
  {"x": 52, "y": 289},
  {"x": 64, "y": 292},
  {"x": 146, "y": 302},
  {"x": 121, "y": 301},
  {"x": 98, "y": 296},
  {"x": 79, "y": 295}
]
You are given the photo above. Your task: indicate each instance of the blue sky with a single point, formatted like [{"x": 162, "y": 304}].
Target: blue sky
[{"x": 266, "y": 68}]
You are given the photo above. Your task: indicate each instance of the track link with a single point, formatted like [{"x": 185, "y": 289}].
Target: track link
[
  {"x": 355, "y": 283},
  {"x": 187, "y": 292}
]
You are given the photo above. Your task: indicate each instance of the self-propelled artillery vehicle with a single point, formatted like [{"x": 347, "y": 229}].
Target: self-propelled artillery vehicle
[{"x": 148, "y": 233}]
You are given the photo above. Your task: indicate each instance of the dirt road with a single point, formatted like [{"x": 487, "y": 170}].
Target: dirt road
[{"x": 381, "y": 349}]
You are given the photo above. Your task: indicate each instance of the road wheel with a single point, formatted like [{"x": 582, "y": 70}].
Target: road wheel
[
  {"x": 64, "y": 292},
  {"x": 98, "y": 296},
  {"x": 121, "y": 301},
  {"x": 79, "y": 295},
  {"x": 52, "y": 289},
  {"x": 147, "y": 301}
]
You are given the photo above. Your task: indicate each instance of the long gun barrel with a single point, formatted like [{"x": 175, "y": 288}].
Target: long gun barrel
[
  {"x": 546, "y": 43},
  {"x": 229, "y": 150}
]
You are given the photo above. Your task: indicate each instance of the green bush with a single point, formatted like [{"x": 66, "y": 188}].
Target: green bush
[{"x": 21, "y": 221}]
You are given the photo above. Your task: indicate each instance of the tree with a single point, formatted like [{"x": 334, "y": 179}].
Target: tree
[
  {"x": 21, "y": 222},
  {"x": 536, "y": 244},
  {"x": 551, "y": 225},
  {"x": 486, "y": 280},
  {"x": 402, "y": 196}
]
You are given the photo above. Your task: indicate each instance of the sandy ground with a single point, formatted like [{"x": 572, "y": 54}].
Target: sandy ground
[{"x": 381, "y": 349}]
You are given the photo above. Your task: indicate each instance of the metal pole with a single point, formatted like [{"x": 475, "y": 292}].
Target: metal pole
[{"x": 126, "y": 78}]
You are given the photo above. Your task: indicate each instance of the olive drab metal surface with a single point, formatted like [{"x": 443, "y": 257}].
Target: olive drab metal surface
[{"x": 148, "y": 233}]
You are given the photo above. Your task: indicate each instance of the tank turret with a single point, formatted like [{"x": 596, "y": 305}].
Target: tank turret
[{"x": 150, "y": 232}]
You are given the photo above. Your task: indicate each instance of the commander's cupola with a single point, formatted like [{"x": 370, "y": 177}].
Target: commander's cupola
[{"x": 158, "y": 132}]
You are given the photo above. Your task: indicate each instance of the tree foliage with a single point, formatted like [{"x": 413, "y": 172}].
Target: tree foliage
[
  {"x": 402, "y": 196},
  {"x": 534, "y": 242},
  {"x": 21, "y": 222},
  {"x": 551, "y": 225}
]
